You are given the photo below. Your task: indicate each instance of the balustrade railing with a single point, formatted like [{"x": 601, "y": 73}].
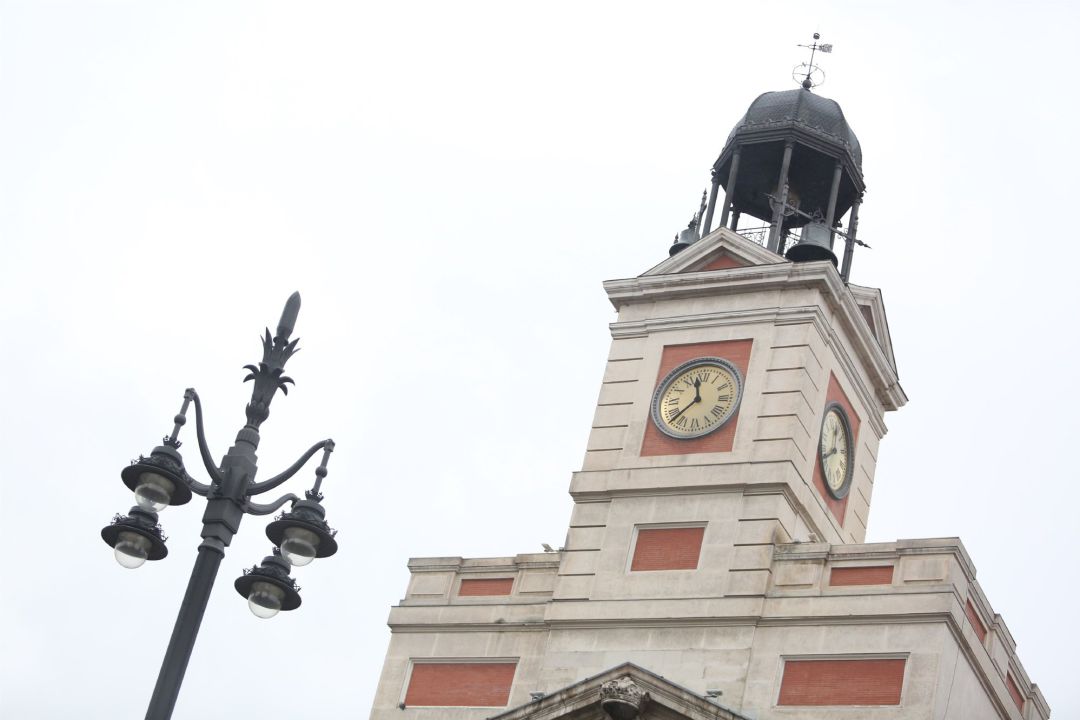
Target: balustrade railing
[{"x": 760, "y": 235}]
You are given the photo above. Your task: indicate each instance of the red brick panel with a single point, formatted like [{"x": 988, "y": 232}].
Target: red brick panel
[
  {"x": 723, "y": 261},
  {"x": 737, "y": 352},
  {"x": 667, "y": 549},
  {"x": 842, "y": 682},
  {"x": 1017, "y": 697},
  {"x": 835, "y": 394},
  {"x": 477, "y": 684},
  {"x": 486, "y": 586},
  {"x": 876, "y": 575},
  {"x": 976, "y": 623}
]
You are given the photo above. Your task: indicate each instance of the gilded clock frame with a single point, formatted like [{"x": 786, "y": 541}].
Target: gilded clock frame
[
  {"x": 662, "y": 386},
  {"x": 849, "y": 473}
]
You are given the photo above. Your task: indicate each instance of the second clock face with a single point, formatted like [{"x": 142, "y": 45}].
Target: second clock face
[
  {"x": 835, "y": 451},
  {"x": 697, "y": 398}
]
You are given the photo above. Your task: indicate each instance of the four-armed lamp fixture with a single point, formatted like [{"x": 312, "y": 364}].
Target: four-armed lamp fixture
[{"x": 160, "y": 480}]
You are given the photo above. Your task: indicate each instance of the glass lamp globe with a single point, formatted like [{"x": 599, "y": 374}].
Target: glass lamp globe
[
  {"x": 299, "y": 546},
  {"x": 131, "y": 550},
  {"x": 265, "y": 599},
  {"x": 153, "y": 492}
]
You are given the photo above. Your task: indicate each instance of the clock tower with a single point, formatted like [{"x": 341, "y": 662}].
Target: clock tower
[{"x": 715, "y": 564}]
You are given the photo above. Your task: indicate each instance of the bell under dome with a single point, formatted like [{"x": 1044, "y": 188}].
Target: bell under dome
[{"x": 792, "y": 162}]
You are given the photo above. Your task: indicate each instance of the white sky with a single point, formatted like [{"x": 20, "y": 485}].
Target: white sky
[{"x": 447, "y": 184}]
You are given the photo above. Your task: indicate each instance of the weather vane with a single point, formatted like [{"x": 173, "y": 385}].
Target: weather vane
[{"x": 808, "y": 74}]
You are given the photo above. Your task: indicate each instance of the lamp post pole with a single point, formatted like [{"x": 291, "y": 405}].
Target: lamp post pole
[{"x": 161, "y": 480}]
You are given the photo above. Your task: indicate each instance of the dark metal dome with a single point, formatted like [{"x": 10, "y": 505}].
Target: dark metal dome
[
  {"x": 821, "y": 153},
  {"x": 793, "y": 162},
  {"x": 803, "y": 108}
]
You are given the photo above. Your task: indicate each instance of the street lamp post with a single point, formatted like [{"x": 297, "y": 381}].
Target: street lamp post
[{"x": 160, "y": 480}]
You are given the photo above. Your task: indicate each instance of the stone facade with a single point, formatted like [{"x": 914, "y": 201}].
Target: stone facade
[{"x": 787, "y": 613}]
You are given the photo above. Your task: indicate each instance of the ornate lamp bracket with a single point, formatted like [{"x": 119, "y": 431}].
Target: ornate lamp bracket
[
  {"x": 327, "y": 446},
  {"x": 216, "y": 476}
]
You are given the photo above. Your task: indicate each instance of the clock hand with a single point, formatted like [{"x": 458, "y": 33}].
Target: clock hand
[
  {"x": 676, "y": 415},
  {"x": 826, "y": 455},
  {"x": 697, "y": 399}
]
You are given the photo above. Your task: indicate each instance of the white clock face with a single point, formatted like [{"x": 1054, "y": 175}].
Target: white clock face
[
  {"x": 835, "y": 451},
  {"x": 697, "y": 398}
]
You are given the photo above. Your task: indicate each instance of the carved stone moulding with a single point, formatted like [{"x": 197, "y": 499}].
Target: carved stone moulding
[{"x": 623, "y": 699}]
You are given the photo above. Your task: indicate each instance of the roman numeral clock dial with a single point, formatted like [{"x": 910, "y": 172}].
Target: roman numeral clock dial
[
  {"x": 836, "y": 449},
  {"x": 697, "y": 398}
]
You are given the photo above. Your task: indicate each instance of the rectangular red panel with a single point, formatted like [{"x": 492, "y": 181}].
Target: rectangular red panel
[
  {"x": 842, "y": 682},
  {"x": 976, "y": 623},
  {"x": 876, "y": 575},
  {"x": 667, "y": 548},
  {"x": 836, "y": 394},
  {"x": 465, "y": 684},
  {"x": 1017, "y": 697},
  {"x": 657, "y": 443},
  {"x": 486, "y": 586}
]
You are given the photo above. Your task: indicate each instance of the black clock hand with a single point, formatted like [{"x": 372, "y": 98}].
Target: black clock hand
[{"x": 676, "y": 415}]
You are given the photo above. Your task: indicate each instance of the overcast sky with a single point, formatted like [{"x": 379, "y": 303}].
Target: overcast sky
[{"x": 447, "y": 184}]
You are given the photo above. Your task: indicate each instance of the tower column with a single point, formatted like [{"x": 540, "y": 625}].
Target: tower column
[
  {"x": 782, "y": 195},
  {"x": 729, "y": 193},
  {"x": 834, "y": 191},
  {"x": 849, "y": 245},
  {"x": 707, "y": 226}
]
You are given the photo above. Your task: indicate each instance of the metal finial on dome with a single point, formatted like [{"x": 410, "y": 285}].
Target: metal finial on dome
[{"x": 808, "y": 74}]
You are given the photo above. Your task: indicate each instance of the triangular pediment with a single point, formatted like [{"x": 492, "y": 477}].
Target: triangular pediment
[
  {"x": 628, "y": 684},
  {"x": 872, "y": 309},
  {"x": 719, "y": 250}
]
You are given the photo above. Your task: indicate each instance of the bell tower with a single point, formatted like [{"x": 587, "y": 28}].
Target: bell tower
[
  {"x": 715, "y": 564},
  {"x": 744, "y": 395},
  {"x": 794, "y": 163},
  {"x": 807, "y": 356}
]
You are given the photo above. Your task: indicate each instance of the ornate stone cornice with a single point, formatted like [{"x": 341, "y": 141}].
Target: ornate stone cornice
[
  {"x": 818, "y": 275},
  {"x": 484, "y": 565}
]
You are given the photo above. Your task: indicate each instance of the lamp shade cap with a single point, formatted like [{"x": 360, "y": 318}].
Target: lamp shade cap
[
  {"x": 245, "y": 582},
  {"x": 275, "y": 531},
  {"x": 163, "y": 461},
  {"x": 111, "y": 535}
]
